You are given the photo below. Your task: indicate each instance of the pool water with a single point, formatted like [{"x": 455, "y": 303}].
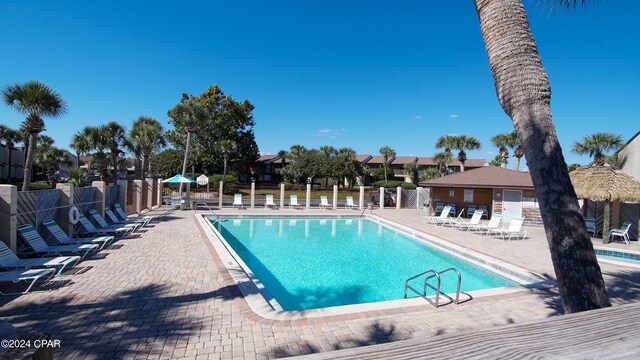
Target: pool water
[{"x": 316, "y": 263}]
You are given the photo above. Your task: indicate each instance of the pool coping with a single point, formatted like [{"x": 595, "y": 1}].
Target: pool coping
[
  {"x": 618, "y": 251},
  {"x": 259, "y": 301}
]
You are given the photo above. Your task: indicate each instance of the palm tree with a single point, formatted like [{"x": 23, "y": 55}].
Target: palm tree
[
  {"x": 36, "y": 100},
  {"x": 80, "y": 144},
  {"x": 504, "y": 142},
  {"x": 296, "y": 150},
  {"x": 98, "y": 143},
  {"x": 328, "y": 151},
  {"x": 146, "y": 136},
  {"x": 9, "y": 137},
  {"x": 227, "y": 148},
  {"x": 460, "y": 143},
  {"x": 596, "y": 145},
  {"x": 412, "y": 168},
  {"x": 386, "y": 152},
  {"x": 49, "y": 157},
  {"x": 524, "y": 92},
  {"x": 116, "y": 135},
  {"x": 443, "y": 159}
]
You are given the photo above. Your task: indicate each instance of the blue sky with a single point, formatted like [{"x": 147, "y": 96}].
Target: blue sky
[{"x": 361, "y": 74}]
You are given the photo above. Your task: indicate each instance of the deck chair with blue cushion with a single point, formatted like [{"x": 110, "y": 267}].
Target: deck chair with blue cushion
[
  {"x": 32, "y": 276},
  {"x": 149, "y": 218},
  {"x": 293, "y": 202},
  {"x": 269, "y": 202},
  {"x": 87, "y": 228},
  {"x": 514, "y": 229},
  {"x": 10, "y": 261},
  {"x": 324, "y": 203},
  {"x": 350, "y": 203},
  {"x": 590, "y": 223},
  {"x": 64, "y": 239},
  {"x": 111, "y": 216},
  {"x": 237, "y": 201},
  {"x": 31, "y": 237},
  {"x": 102, "y": 223},
  {"x": 623, "y": 232}
]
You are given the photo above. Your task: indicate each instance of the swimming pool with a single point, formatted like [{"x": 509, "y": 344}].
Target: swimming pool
[
  {"x": 623, "y": 258},
  {"x": 310, "y": 263}
]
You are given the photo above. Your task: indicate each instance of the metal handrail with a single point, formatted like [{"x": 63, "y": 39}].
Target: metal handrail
[
  {"x": 208, "y": 208},
  {"x": 426, "y": 285}
]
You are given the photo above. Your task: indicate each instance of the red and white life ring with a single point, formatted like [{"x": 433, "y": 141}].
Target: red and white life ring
[{"x": 74, "y": 215}]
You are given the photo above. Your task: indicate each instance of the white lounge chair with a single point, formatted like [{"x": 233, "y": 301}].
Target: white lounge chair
[
  {"x": 123, "y": 216},
  {"x": 475, "y": 220},
  {"x": 31, "y": 237},
  {"x": 90, "y": 229},
  {"x": 10, "y": 261},
  {"x": 494, "y": 223},
  {"x": 63, "y": 239},
  {"x": 515, "y": 229},
  {"x": 350, "y": 203},
  {"x": 442, "y": 217},
  {"x": 24, "y": 275},
  {"x": 111, "y": 216},
  {"x": 623, "y": 232},
  {"x": 324, "y": 203},
  {"x": 237, "y": 201},
  {"x": 451, "y": 221},
  {"x": 269, "y": 202},
  {"x": 293, "y": 202}
]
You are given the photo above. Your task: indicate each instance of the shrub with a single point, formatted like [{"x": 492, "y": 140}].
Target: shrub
[
  {"x": 289, "y": 186},
  {"x": 394, "y": 184},
  {"x": 231, "y": 183}
]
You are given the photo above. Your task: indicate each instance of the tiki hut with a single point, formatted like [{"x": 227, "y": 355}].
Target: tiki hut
[{"x": 605, "y": 183}]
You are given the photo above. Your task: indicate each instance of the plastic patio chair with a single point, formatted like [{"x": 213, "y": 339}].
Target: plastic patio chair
[
  {"x": 269, "y": 202},
  {"x": 623, "y": 232},
  {"x": 324, "y": 203},
  {"x": 63, "y": 239},
  {"x": 293, "y": 202},
  {"x": 40, "y": 247},
  {"x": 32, "y": 275},
  {"x": 10, "y": 261},
  {"x": 515, "y": 229},
  {"x": 237, "y": 201},
  {"x": 350, "y": 203}
]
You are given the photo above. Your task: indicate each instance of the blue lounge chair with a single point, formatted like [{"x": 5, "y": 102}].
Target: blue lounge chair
[
  {"x": 110, "y": 216},
  {"x": 9, "y": 261},
  {"x": 31, "y": 237},
  {"x": 24, "y": 275},
  {"x": 102, "y": 223},
  {"x": 89, "y": 228},
  {"x": 64, "y": 239}
]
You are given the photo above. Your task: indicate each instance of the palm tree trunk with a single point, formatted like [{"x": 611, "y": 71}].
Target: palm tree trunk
[
  {"x": 461, "y": 166},
  {"x": 114, "y": 165},
  {"x": 524, "y": 92},
  {"x": 224, "y": 170},
  {"x": 143, "y": 165},
  {"x": 28, "y": 163},
  {"x": 517, "y": 165}
]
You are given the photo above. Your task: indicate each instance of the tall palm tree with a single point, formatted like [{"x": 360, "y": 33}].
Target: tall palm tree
[
  {"x": 10, "y": 137},
  {"x": 296, "y": 150},
  {"x": 386, "y": 152},
  {"x": 596, "y": 145},
  {"x": 443, "y": 159},
  {"x": 227, "y": 148},
  {"x": 36, "y": 100},
  {"x": 504, "y": 142},
  {"x": 524, "y": 92},
  {"x": 98, "y": 143},
  {"x": 147, "y": 136},
  {"x": 116, "y": 135},
  {"x": 328, "y": 151},
  {"x": 80, "y": 144},
  {"x": 460, "y": 143},
  {"x": 412, "y": 168}
]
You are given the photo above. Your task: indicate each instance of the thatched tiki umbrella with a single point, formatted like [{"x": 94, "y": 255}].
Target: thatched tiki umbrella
[{"x": 604, "y": 183}]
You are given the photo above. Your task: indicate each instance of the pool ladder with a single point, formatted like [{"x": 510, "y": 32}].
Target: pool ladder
[
  {"x": 208, "y": 208},
  {"x": 432, "y": 274}
]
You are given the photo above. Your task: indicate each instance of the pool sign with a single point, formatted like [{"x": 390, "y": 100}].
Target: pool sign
[{"x": 202, "y": 180}]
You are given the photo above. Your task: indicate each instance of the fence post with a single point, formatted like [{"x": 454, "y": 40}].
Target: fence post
[
  {"x": 398, "y": 197},
  {"x": 101, "y": 191},
  {"x": 381, "y": 198},
  {"x": 160, "y": 198},
  {"x": 418, "y": 191},
  {"x": 308, "y": 203},
  {"x": 122, "y": 194},
  {"x": 220, "y": 189},
  {"x": 66, "y": 199},
  {"x": 8, "y": 218},
  {"x": 361, "y": 203},
  {"x": 281, "y": 195},
  {"x": 137, "y": 196},
  {"x": 253, "y": 194},
  {"x": 149, "y": 203},
  {"x": 335, "y": 197}
]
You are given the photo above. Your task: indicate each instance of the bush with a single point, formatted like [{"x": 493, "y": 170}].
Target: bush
[
  {"x": 289, "y": 186},
  {"x": 231, "y": 183},
  {"x": 394, "y": 184}
]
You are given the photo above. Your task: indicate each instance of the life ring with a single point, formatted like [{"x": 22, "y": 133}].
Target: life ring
[{"x": 74, "y": 215}]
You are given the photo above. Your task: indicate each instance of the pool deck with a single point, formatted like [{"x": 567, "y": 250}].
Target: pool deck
[{"x": 166, "y": 294}]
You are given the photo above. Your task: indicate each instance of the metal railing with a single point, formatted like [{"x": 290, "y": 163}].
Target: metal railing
[{"x": 426, "y": 285}]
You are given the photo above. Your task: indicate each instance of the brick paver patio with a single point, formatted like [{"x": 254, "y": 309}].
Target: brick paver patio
[{"x": 164, "y": 295}]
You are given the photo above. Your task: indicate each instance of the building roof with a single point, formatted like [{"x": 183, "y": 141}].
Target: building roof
[
  {"x": 604, "y": 183},
  {"x": 402, "y": 160},
  {"x": 363, "y": 158},
  {"x": 267, "y": 157},
  {"x": 630, "y": 141},
  {"x": 379, "y": 160},
  {"x": 484, "y": 177},
  {"x": 427, "y": 161}
]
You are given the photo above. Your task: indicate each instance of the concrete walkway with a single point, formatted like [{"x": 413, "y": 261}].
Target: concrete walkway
[{"x": 164, "y": 294}]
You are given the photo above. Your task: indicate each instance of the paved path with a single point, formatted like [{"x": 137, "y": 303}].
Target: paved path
[{"x": 162, "y": 295}]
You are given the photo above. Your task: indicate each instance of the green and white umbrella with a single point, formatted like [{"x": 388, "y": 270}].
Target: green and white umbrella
[{"x": 179, "y": 179}]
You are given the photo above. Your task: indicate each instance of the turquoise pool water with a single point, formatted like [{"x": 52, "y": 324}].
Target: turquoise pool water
[{"x": 316, "y": 263}]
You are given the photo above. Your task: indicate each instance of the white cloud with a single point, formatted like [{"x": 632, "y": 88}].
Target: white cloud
[
  {"x": 329, "y": 133},
  {"x": 324, "y": 131},
  {"x": 417, "y": 117},
  {"x": 490, "y": 153},
  {"x": 454, "y": 116}
]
